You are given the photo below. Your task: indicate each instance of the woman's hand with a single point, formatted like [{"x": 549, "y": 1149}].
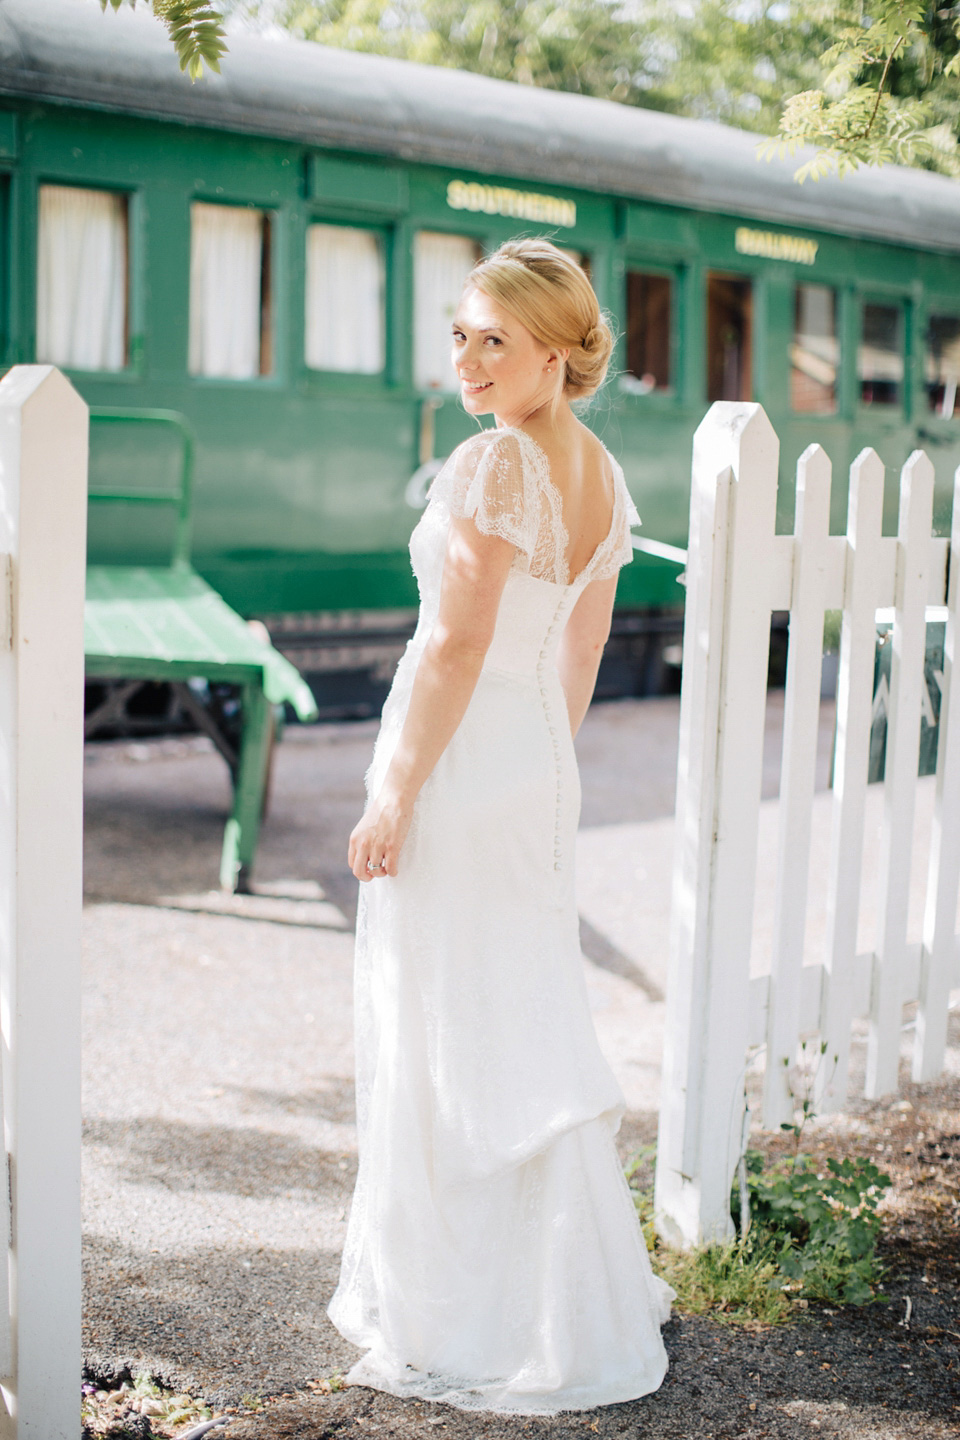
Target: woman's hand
[{"x": 378, "y": 837}]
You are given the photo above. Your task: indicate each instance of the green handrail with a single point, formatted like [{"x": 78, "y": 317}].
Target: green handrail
[{"x": 184, "y": 501}]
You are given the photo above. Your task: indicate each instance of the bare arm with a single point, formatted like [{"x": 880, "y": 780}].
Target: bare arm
[
  {"x": 474, "y": 574},
  {"x": 581, "y": 646}
]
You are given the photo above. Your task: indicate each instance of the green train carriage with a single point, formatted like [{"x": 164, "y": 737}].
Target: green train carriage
[{"x": 274, "y": 253}]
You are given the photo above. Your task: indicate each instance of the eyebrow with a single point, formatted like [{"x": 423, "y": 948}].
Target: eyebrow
[{"x": 483, "y": 329}]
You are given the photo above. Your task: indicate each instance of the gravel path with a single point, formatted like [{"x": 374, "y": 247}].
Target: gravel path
[{"x": 219, "y": 1150}]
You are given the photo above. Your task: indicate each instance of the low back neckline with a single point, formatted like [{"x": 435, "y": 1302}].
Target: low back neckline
[{"x": 549, "y": 481}]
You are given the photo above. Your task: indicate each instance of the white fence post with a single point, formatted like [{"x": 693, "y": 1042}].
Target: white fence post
[
  {"x": 738, "y": 570},
  {"x": 723, "y": 698},
  {"x": 43, "y": 462}
]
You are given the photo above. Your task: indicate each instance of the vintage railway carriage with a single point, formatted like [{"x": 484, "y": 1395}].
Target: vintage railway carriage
[{"x": 275, "y": 252}]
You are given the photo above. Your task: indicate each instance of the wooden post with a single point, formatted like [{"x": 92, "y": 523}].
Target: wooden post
[
  {"x": 730, "y": 573},
  {"x": 43, "y": 491}
]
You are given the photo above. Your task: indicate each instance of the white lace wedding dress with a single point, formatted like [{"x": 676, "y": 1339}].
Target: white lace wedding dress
[{"x": 493, "y": 1256}]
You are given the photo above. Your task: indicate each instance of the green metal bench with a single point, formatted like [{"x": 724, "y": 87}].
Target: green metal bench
[{"x": 164, "y": 623}]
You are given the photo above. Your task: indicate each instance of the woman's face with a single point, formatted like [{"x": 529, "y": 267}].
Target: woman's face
[{"x": 502, "y": 368}]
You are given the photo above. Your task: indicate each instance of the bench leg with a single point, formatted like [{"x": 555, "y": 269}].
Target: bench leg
[{"x": 243, "y": 827}]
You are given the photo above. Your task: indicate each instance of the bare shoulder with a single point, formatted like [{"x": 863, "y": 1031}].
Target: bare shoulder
[
  {"x": 596, "y": 454},
  {"x": 576, "y": 457}
]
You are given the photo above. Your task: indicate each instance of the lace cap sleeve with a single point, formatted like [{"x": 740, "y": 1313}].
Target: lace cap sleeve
[
  {"x": 619, "y": 549},
  {"x": 489, "y": 480}
]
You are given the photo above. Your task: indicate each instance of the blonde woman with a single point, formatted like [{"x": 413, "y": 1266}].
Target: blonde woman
[{"x": 493, "y": 1257}]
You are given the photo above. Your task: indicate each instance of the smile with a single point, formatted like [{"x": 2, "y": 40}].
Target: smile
[{"x": 475, "y": 386}]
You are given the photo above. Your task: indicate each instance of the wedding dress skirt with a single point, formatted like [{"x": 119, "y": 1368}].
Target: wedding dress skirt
[{"x": 493, "y": 1258}]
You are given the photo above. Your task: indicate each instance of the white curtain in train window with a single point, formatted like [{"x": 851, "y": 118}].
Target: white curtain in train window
[
  {"x": 226, "y": 280},
  {"x": 344, "y": 306},
  {"x": 441, "y": 264},
  {"x": 82, "y": 278}
]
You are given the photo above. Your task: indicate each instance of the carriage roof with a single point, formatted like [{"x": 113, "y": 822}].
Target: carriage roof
[{"x": 66, "y": 51}]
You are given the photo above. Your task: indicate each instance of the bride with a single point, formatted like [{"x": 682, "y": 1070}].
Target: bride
[{"x": 493, "y": 1257}]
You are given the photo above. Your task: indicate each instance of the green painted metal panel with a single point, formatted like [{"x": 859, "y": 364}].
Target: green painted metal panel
[
  {"x": 358, "y": 184},
  {"x": 9, "y": 134}
]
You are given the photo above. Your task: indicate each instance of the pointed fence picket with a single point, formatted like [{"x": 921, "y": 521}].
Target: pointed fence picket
[
  {"x": 739, "y": 570},
  {"x": 43, "y": 509}
]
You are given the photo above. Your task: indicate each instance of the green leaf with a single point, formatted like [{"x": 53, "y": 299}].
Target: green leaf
[{"x": 195, "y": 28}]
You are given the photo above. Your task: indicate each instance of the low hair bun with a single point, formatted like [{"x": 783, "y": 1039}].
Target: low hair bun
[
  {"x": 550, "y": 293},
  {"x": 587, "y": 365}
]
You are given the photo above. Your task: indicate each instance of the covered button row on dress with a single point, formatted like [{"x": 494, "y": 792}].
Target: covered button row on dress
[{"x": 552, "y": 731}]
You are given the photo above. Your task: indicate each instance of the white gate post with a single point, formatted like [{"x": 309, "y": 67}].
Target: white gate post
[
  {"x": 43, "y": 497},
  {"x": 730, "y": 571}
]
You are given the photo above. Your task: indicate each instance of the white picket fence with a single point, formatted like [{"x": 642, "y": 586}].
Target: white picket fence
[
  {"x": 738, "y": 571},
  {"x": 43, "y": 516}
]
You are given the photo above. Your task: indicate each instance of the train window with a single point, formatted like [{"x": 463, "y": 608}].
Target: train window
[
  {"x": 344, "y": 304},
  {"x": 815, "y": 352},
  {"x": 441, "y": 263},
  {"x": 729, "y": 337},
  {"x": 82, "y": 278},
  {"x": 942, "y": 364},
  {"x": 880, "y": 355},
  {"x": 229, "y": 335},
  {"x": 649, "y": 305}
]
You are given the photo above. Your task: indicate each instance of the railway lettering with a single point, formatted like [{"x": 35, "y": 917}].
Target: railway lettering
[
  {"x": 517, "y": 204},
  {"x": 771, "y": 246}
]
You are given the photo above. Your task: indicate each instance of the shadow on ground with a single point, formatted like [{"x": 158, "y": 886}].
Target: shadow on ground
[
  {"x": 245, "y": 1162},
  {"x": 166, "y": 1315}
]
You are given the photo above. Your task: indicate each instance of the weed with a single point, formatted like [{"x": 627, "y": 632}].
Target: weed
[
  {"x": 825, "y": 1223},
  {"x": 811, "y": 1236},
  {"x": 737, "y": 1283}
]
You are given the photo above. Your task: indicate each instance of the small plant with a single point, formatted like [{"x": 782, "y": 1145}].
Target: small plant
[
  {"x": 803, "y": 1233},
  {"x": 825, "y": 1225},
  {"x": 805, "y": 1080},
  {"x": 739, "y": 1283}
]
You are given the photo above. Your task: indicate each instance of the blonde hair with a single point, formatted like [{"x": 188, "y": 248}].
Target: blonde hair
[{"x": 550, "y": 294}]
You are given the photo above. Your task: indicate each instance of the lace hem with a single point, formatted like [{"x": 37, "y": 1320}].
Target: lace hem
[{"x": 378, "y": 1372}]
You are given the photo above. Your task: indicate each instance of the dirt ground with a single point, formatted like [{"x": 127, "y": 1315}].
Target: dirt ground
[
  {"x": 837, "y": 1372},
  {"x": 213, "y": 1093}
]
